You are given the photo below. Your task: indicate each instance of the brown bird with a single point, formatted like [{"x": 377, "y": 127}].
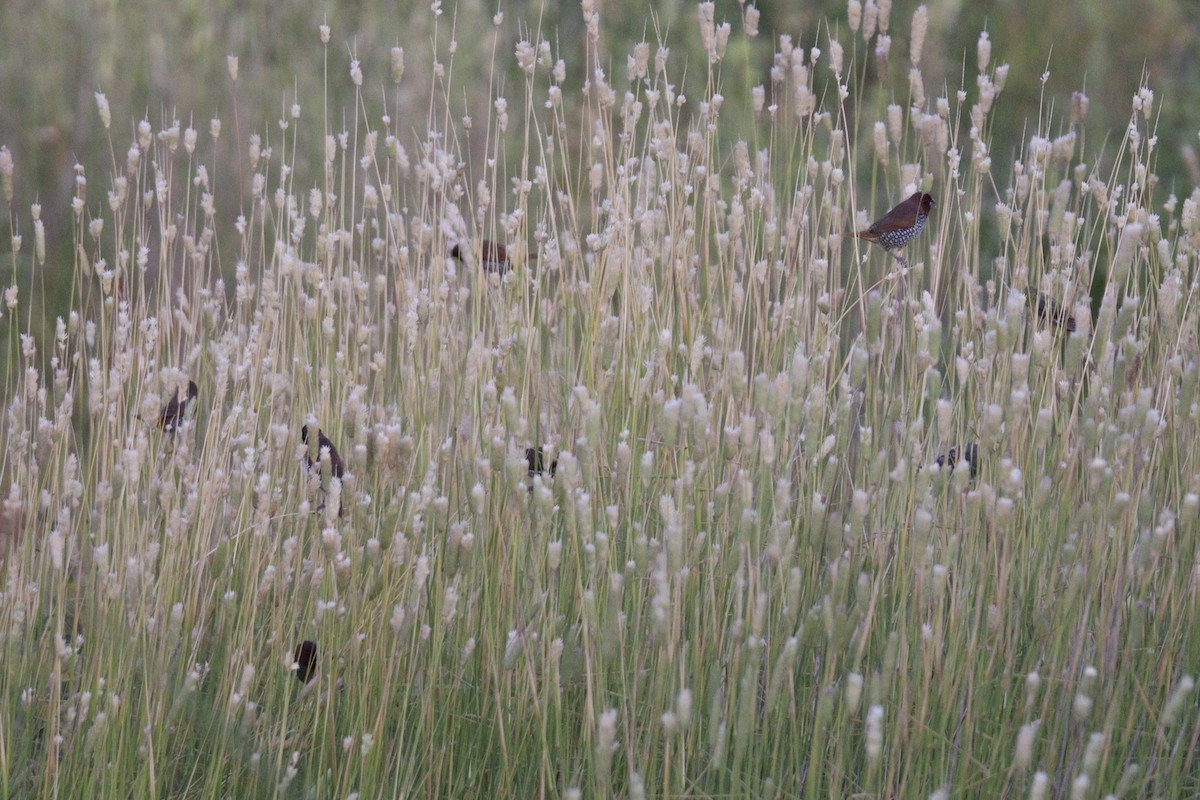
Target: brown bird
[
  {"x": 901, "y": 225},
  {"x": 1053, "y": 313},
  {"x": 336, "y": 465},
  {"x": 172, "y": 414},
  {"x": 306, "y": 660},
  {"x": 970, "y": 454},
  {"x": 536, "y": 459},
  {"x": 493, "y": 255}
]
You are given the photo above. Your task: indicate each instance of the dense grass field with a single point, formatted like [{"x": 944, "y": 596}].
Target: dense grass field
[{"x": 762, "y": 564}]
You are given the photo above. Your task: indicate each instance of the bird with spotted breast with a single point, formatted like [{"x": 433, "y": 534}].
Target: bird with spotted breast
[
  {"x": 901, "y": 225},
  {"x": 493, "y": 256}
]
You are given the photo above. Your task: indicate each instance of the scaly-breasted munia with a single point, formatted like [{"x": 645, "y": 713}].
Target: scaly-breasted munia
[
  {"x": 493, "y": 256},
  {"x": 901, "y": 225}
]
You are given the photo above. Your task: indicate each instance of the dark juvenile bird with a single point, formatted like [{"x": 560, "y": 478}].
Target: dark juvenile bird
[
  {"x": 493, "y": 255},
  {"x": 536, "y": 460},
  {"x": 337, "y": 466},
  {"x": 901, "y": 225},
  {"x": 1053, "y": 313},
  {"x": 172, "y": 414},
  {"x": 306, "y": 660},
  {"x": 970, "y": 454}
]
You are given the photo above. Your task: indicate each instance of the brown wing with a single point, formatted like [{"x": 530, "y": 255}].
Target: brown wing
[{"x": 899, "y": 218}]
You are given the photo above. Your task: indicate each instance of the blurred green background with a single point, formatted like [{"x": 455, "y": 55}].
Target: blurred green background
[{"x": 167, "y": 60}]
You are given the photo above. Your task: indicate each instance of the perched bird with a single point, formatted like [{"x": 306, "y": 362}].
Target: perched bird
[
  {"x": 493, "y": 255},
  {"x": 1053, "y": 313},
  {"x": 172, "y": 414},
  {"x": 901, "y": 225},
  {"x": 537, "y": 463},
  {"x": 306, "y": 660},
  {"x": 970, "y": 454},
  {"x": 337, "y": 466}
]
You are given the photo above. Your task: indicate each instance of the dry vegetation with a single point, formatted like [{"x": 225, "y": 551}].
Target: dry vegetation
[{"x": 764, "y": 564}]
